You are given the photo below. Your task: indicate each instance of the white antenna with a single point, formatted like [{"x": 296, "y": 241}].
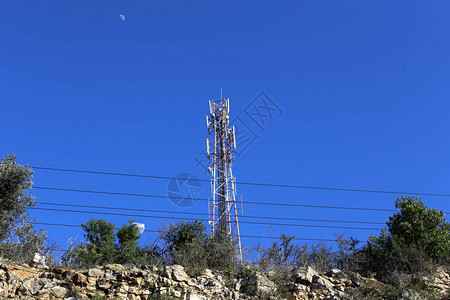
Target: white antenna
[
  {"x": 233, "y": 138},
  {"x": 211, "y": 108},
  {"x": 207, "y": 148}
]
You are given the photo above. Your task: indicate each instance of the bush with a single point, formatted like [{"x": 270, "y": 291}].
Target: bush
[
  {"x": 101, "y": 248},
  {"x": 282, "y": 256},
  {"x": 187, "y": 244}
]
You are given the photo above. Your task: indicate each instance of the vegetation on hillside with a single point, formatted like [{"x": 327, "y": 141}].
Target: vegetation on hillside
[{"x": 415, "y": 240}]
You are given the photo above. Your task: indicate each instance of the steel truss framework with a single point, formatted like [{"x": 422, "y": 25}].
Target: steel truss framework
[{"x": 223, "y": 208}]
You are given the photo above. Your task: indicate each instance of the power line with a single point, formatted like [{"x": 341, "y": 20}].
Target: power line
[
  {"x": 205, "y": 220},
  {"x": 204, "y": 199},
  {"x": 205, "y": 214},
  {"x": 249, "y": 183},
  {"x": 246, "y": 236}
]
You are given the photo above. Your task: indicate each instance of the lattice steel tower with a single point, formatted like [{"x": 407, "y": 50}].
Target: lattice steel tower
[{"x": 223, "y": 207}]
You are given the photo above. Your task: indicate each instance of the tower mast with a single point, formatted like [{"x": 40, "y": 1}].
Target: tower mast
[{"x": 223, "y": 209}]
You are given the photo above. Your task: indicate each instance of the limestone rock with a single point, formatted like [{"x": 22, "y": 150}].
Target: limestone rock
[
  {"x": 58, "y": 291},
  {"x": 79, "y": 279},
  {"x": 176, "y": 273},
  {"x": 96, "y": 273},
  {"x": 304, "y": 275},
  {"x": 194, "y": 296},
  {"x": 21, "y": 272},
  {"x": 256, "y": 284}
]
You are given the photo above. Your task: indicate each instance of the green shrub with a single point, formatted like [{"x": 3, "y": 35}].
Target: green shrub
[
  {"x": 101, "y": 247},
  {"x": 282, "y": 256},
  {"x": 187, "y": 244},
  {"x": 414, "y": 240}
]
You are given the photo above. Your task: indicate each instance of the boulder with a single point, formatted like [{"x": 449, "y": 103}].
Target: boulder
[
  {"x": 255, "y": 284},
  {"x": 21, "y": 272},
  {"x": 58, "y": 291},
  {"x": 176, "y": 273},
  {"x": 79, "y": 279},
  {"x": 320, "y": 282},
  {"x": 96, "y": 273},
  {"x": 195, "y": 296},
  {"x": 303, "y": 275}
]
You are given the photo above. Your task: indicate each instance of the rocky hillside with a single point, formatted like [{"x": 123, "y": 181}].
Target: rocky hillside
[{"x": 172, "y": 282}]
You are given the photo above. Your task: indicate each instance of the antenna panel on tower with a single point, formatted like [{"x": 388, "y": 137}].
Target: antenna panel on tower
[
  {"x": 233, "y": 138},
  {"x": 211, "y": 108}
]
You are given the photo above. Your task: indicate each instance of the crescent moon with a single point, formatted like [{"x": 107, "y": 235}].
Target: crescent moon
[{"x": 122, "y": 17}]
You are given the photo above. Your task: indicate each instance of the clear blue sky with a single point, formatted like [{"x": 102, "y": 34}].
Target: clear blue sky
[{"x": 363, "y": 87}]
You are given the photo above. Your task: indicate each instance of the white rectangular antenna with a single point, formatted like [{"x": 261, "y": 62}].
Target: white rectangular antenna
[
  {"x": 211, "y": 107},
  {"x": 207, "y": 148},
  {"x": 233, "y": 134}
]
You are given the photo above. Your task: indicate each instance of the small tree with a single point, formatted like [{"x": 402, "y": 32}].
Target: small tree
[
  {"x": 279, "y": 256},
  {"x": 415, "y": 238},
  {"x": 427, "y": 229},
  {"x": 19, "y": 240},
  {"x": 99, "y": 247},
  {"x": 184, "y": 234},
  {"x": 15, "y": 181},
  {"x": 128, "y": 236}
]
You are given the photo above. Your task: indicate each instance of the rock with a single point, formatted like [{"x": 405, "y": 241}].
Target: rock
[
  {"x": 38, "y": 259},
  {"x": 79, "y": 279},
  {"x": 92, "y": 281},
  {"x": 408, "y": 294},
  {"x": 58, "y": 291},
  {"x": 48, "y": 275},
  {"x": 322, "y": 283},
  {"x": 109, "y": 276},
  {"x": 176, "y": 272},
  {"x": 255, "y": 284},
  {"x": 194, "y": 296},
  {"x": 174, "y": 283},
  {"x": 104, "y": 285},
  {"x": 21, "y": 272},
  {"x": 207, "y": 273},
  {"x": 295, "y": 287},
  {"x": 33, "y": 285},
  {"x": 115, "y": 267},
  {"x": 96, "y": 273},
  {"x": 303, "y": 275},
  {"x": 68, "y": 274}
]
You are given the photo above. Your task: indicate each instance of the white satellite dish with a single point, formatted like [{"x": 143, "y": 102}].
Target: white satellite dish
[{"x": 140, "y": 226}]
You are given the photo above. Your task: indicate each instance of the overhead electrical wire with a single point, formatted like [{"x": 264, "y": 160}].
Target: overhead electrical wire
[
  {"x": 247, "y": 183},
  {"x": 205, "y": 220},
  {"x": 205, "y": 214},
  {"x": 204, "y": 199}
]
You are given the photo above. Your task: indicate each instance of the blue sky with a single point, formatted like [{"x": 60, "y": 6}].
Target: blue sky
[{"x": 362, "y": 87}]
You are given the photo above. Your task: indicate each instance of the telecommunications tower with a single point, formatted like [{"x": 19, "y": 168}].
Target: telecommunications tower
[{"x": 223, "y": 208}]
